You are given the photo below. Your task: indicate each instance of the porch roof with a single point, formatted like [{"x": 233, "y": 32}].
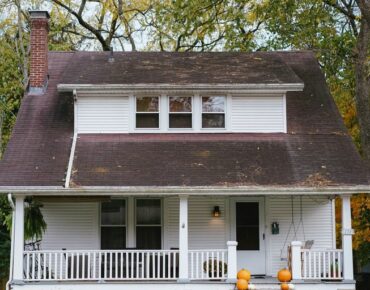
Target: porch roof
[
  {"x": 316, "y": 151},
  {"x": 215, "y": 160}
]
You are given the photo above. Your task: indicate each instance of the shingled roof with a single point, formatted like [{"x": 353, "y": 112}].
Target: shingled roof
[{"x": 316, "y": 152}]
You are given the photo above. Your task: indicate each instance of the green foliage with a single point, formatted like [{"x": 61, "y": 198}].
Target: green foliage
[{"x": 4, "y": 238}]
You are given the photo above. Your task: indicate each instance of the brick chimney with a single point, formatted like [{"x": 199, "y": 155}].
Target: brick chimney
[{"x": 39, "y": 51}]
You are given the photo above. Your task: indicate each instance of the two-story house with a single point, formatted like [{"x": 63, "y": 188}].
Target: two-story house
[{"x": 160, "y": 170}]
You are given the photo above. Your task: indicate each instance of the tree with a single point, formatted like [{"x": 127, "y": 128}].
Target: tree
[{"x": 105, "y": 21}]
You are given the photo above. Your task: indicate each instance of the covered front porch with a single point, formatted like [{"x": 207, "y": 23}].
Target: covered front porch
[{"x": 187, "y": 241}]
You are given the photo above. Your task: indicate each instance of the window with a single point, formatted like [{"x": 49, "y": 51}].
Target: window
[
  {"x": 113, "y": 225},
  {"x": 247, "y": 226},
  {"x": 180, "y": 109},
  {"x": 213, "y": 112},
  {"x": 148, "y": 224},
  {"x": 147, "y": 112}
]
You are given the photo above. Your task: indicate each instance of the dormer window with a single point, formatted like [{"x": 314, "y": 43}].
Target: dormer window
[
  {"x": 147, "y": 112},
  {"x": 180, "y": 112},
  {"x": 213, "y": 112}
]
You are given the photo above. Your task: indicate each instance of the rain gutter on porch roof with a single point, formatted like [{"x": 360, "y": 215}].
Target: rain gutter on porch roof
[
  {"x": 182, "y": 190},
  {"x": 242, "y": 88}
]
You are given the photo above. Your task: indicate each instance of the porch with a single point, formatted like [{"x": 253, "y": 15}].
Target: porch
[{"x": 188, "y": 264}]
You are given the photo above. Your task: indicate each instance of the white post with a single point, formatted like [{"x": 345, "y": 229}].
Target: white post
[
  {"x": 296, "y": 262},
  {"x": 231, "y": 261},
  {"x": 347, "y": 233},
  {"x": 18, "y": 224},
  {"x": 183, "y": 241}
]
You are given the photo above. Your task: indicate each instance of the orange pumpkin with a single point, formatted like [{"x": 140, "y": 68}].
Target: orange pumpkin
[
  {"x": 242, "y": 284},
  {"x": 244, "y": 274},
  {"x": 284, "y": 286},
  {"x": 284, "y": 275}
]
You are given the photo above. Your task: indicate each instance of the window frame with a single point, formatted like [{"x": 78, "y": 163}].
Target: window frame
[
  {"x": 158, "y": 112},
  {"x": 225, "y": 113},
  {"x": 126, "y": 225},
  {"x": 179, "y": 113}
]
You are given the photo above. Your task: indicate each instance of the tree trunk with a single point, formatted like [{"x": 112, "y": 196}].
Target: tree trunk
[{"x": 362, "y": 74}]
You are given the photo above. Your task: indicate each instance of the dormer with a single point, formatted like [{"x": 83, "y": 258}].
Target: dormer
[{"x": 179, "y": 92}]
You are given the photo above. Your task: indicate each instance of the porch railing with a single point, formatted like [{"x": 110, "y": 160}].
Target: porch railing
[
  {"x": 315, "y": 264},
  {"x": 323, "y": 264},
  {"x": 101, "y": 265},
  {"x": 208, "y": 264}
]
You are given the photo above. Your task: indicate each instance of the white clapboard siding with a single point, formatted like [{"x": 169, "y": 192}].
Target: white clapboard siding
[
  {"x": 317, "y": 225},
  {"x": 102, "y": 113},
  {"x": 71, "y": 226},
  {"x": 205, "y": 231},
  {"x": 258, "y": 114}
]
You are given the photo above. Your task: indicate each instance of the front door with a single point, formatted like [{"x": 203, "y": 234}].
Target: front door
[{"x": 248, "y": 230}]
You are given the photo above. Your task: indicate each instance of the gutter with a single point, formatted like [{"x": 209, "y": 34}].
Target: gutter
[
  {"x": 243, "y": 88},
  {"x": 10, "y": 200},
  {"x": 182, "y": 190}
]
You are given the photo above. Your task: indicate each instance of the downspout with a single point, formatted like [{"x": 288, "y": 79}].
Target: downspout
[
  {"x": 10, "y": 200},
  {"x": 73, "y": 147}
]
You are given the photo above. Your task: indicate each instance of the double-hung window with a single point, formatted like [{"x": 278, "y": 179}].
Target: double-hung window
[
  {"x": 147, "y": 112},
  {"x": 213, "y": 112},
  {"x": 113, "y": 224},
  {"x": 148, "y": 224},
  {"x": 180, "y": 112}
]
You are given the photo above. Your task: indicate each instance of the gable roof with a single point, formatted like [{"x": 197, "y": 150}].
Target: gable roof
[
  {"x": 178, "y": 68},
  {"x": 316, "y": 152}
]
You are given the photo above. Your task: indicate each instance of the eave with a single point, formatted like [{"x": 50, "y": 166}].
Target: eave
[
  {"x": 194, "y": 88},
  {"x": 184, "y": 190}
]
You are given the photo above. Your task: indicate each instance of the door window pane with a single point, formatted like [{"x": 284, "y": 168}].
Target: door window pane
[
  {"x": 247, "y": 226},
  {"x": 213, "y": 112}
]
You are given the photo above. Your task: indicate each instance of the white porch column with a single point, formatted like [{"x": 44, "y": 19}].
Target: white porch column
[
  {"x": 347, "y": 233},
  {"x": 296, "y": 260},
  {"x": 18, "y": 225},
  {"x": 183, "y": 240},
  {"x": 231, "y": 261}
]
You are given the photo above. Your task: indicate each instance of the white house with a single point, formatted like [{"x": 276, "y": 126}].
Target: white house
[{"x": 175, "y": 170}]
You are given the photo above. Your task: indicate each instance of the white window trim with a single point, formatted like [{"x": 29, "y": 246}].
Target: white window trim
[{"x": 164, "y": 116}]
